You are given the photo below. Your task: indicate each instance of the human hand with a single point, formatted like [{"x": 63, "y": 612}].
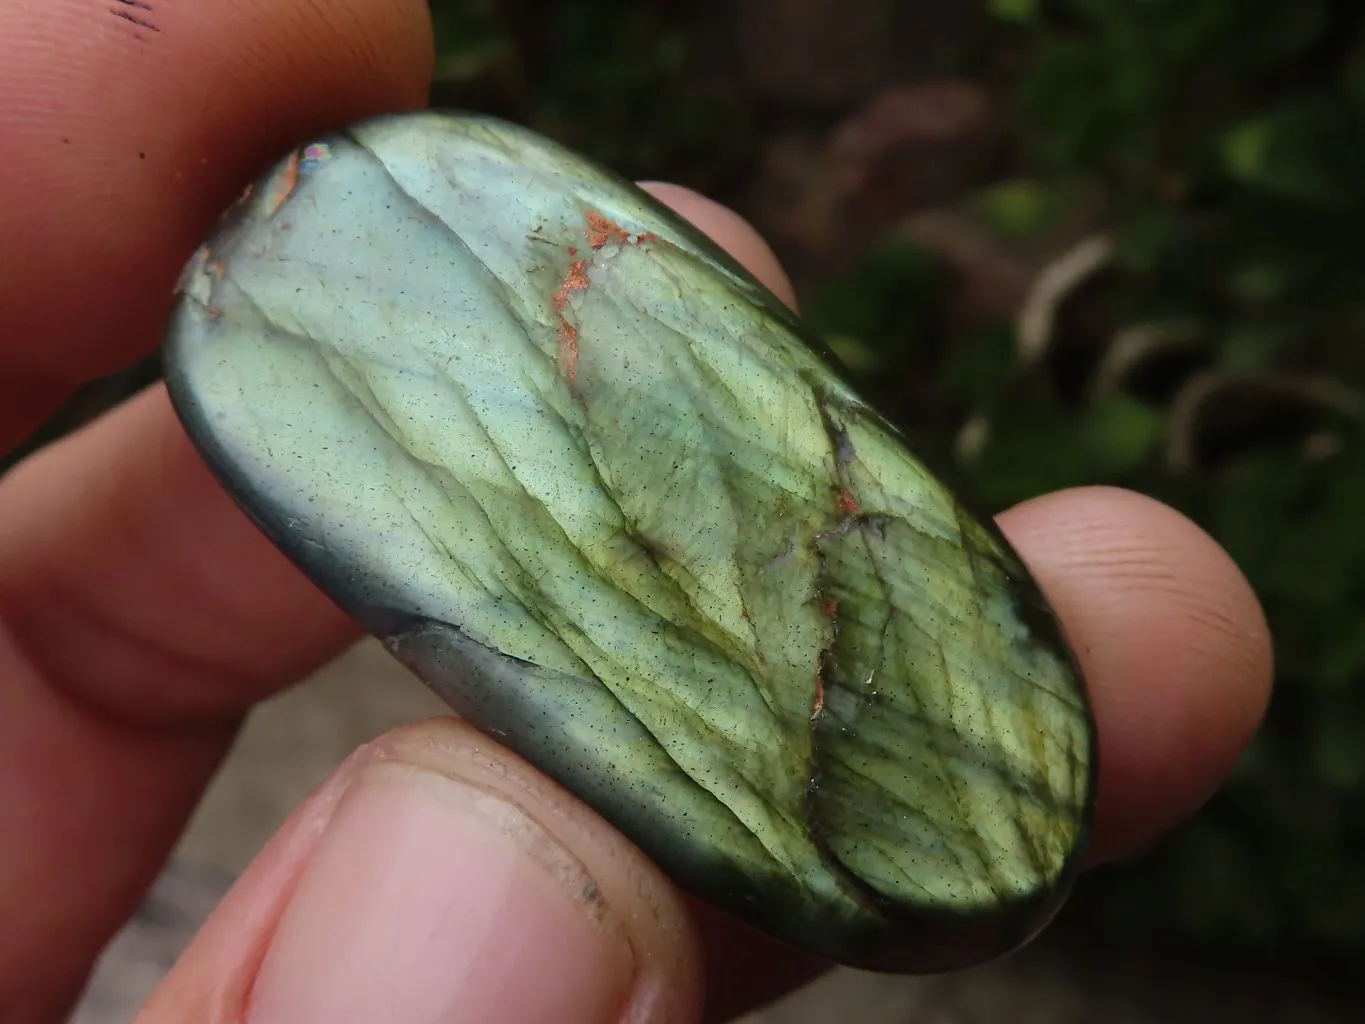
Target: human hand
[{"x": 435, "y": 876}]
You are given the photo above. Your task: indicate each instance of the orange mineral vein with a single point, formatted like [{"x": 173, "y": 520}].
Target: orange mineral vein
[{"x": 600, "y": 230}]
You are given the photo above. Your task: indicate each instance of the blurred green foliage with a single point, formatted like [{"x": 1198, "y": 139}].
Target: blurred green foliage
[
  {"x": 1215, "y": 362},
  {"x": 606, "y": 76}
]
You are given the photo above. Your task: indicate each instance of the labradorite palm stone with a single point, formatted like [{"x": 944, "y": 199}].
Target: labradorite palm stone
[{"x": 608, "y": 498}]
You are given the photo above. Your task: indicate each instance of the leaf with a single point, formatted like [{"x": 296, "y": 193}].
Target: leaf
[
  {"x": 977, "y": 368},
  {"x": 884, "y": 302},
  {"x": 1254, "y": 346},
  {"x": 1119, "y": 434},
  {"x": 1019, "y": 12},
  {"x": 1290, "y": 152},
  {"x": 1018, "y": 209}
]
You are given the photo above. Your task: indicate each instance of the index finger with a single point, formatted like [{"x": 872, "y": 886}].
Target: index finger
[{"x": 128, "y": 125}]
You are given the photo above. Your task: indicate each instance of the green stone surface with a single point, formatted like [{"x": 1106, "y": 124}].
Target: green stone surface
[{"x": 607, "y": 497}]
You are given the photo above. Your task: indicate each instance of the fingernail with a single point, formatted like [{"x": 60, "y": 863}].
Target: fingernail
[{"x": 429, "y": 901}]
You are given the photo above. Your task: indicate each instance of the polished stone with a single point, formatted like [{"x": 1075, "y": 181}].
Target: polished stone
[{"x": 603, "y": 492}]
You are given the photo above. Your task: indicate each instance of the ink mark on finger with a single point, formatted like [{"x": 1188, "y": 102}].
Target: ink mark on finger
[{"x": 137, "y": 12}]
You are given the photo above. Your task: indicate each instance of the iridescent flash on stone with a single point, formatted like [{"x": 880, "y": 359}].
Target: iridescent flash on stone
[{"x": 605, "y": 494}]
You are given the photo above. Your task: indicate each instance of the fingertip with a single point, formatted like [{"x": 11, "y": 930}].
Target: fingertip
[
  {"x": 1172, "y": 642},
  {"x": 731, "y": 232},
  {"x": 437, "y": 870},
  {"x": 133, "y": 125}
]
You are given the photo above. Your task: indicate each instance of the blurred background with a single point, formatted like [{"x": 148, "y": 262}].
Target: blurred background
[{"x": 1062, "y": 242}]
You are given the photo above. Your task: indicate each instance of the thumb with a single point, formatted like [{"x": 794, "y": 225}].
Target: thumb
[{"x": 434, "y": 878}]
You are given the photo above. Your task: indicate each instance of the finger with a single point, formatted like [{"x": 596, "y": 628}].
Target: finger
[
  {"x": 1171, "y": 639},
  {"x": 121, "y": 144},
  {"x": 437, "y": 876},
  {"x": 128, "y": 127},
  {"x": 731, "y": 232},
  {"x": 1176, "y": 656}
]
